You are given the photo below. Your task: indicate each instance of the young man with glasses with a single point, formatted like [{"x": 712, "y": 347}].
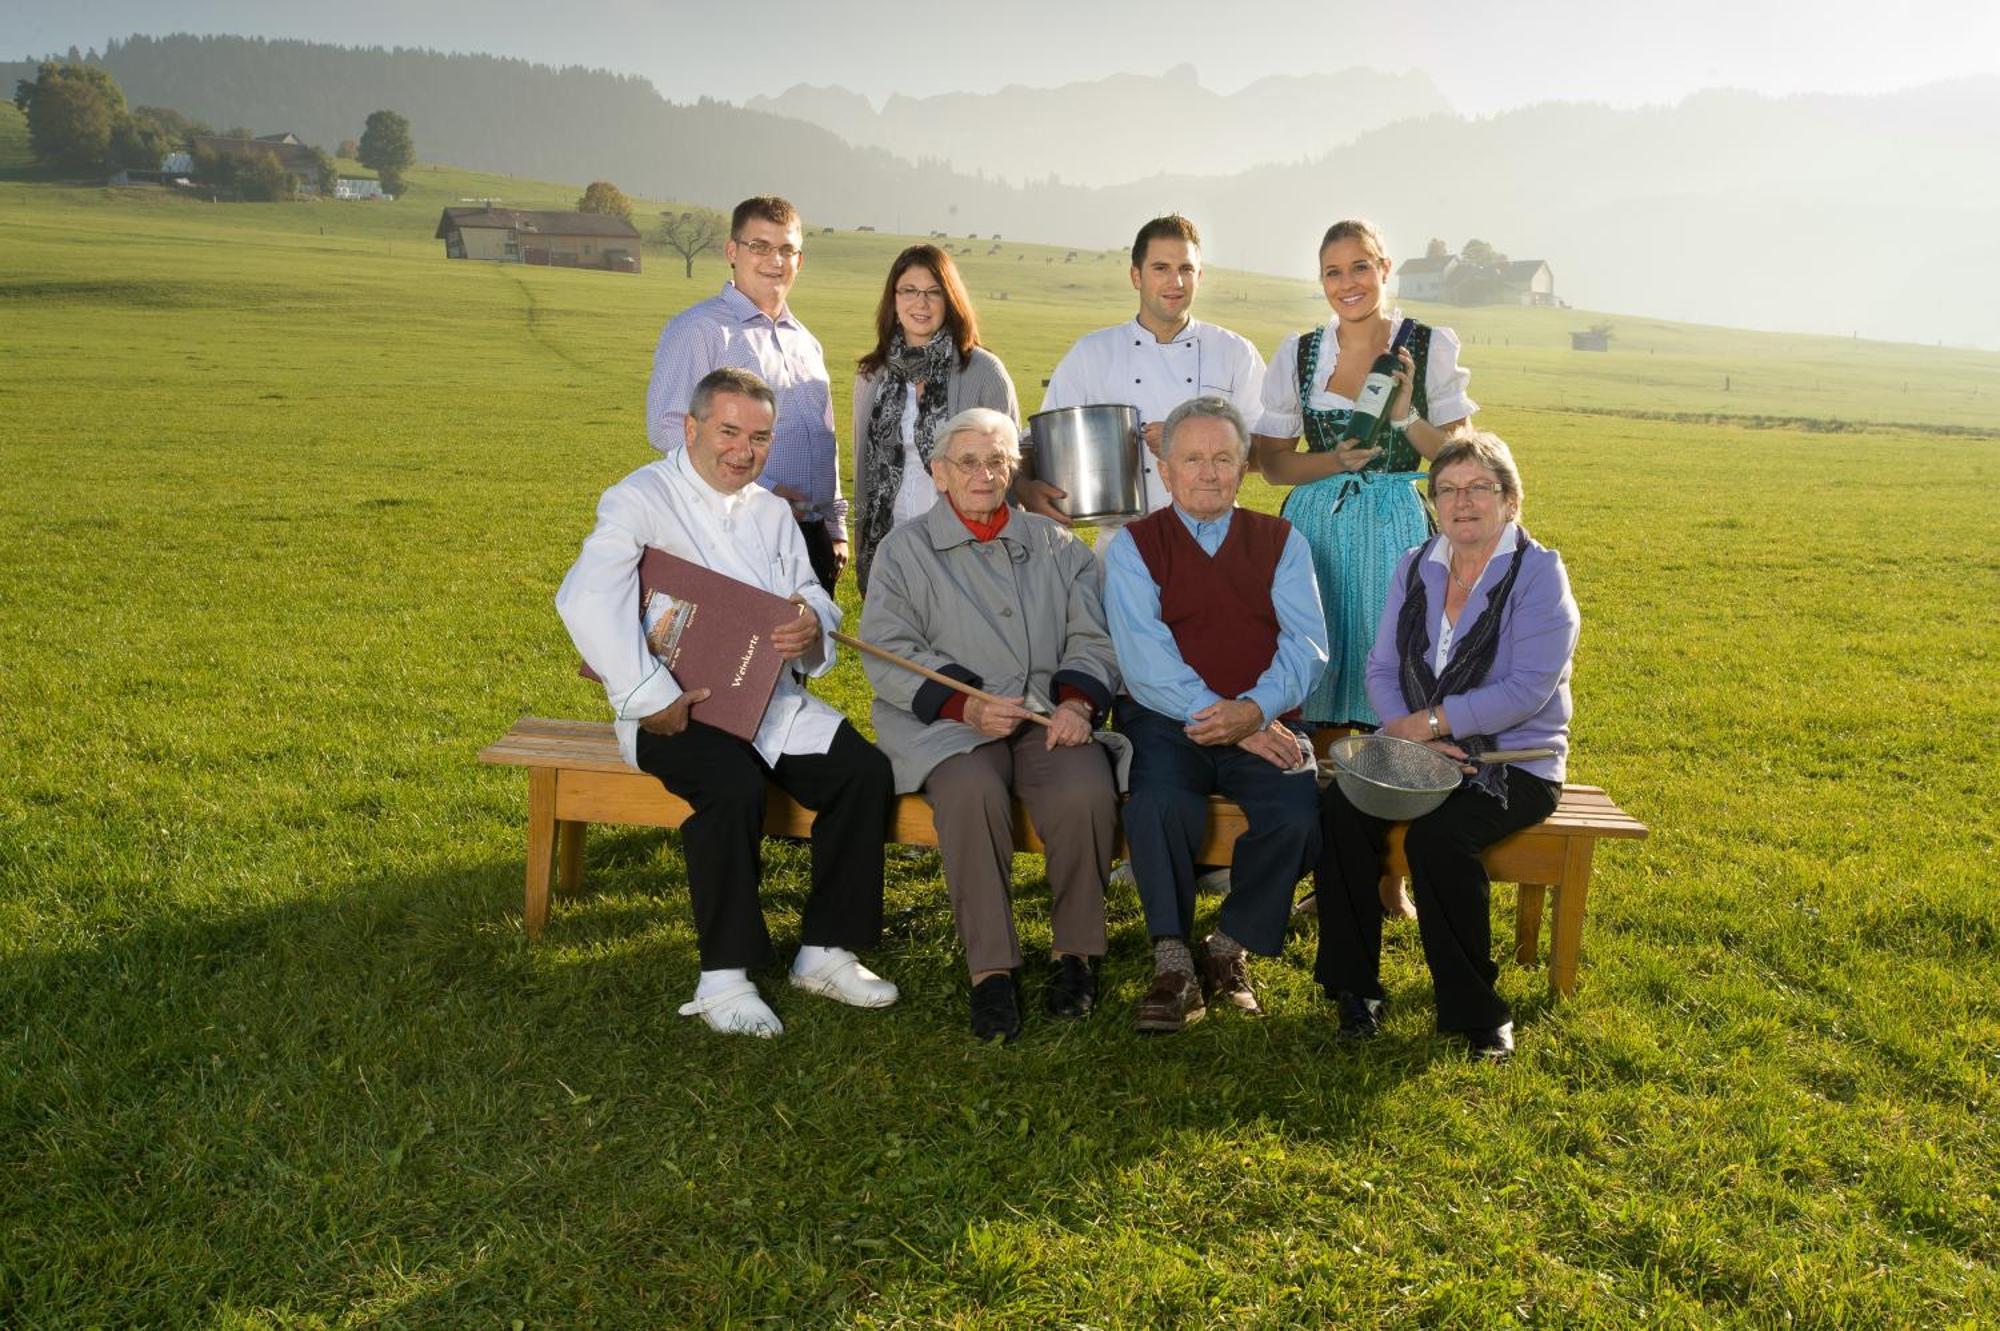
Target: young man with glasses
[{"x": 748, "y": 326}]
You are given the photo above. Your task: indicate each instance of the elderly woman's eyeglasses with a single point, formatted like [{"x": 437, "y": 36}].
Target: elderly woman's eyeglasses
[
  {"x": 996, "y": 464},
  {"x": 1480, "y": 490},
  {"x": 764, "y": 249}
]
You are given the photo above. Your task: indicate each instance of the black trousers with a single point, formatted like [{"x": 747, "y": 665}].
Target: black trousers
[
  {"x": 819, "y": 549},
  {"x": 1454, "y": 897},
  {"x": 849, "y": 788}
]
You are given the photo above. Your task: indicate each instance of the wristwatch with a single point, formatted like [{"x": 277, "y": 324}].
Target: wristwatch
[
  {"x": 1404, "y": 424},
  {"x": 1431, "y": 715}
]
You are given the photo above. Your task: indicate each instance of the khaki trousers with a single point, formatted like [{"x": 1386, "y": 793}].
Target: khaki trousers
[{"x": 1073, "y": 803}]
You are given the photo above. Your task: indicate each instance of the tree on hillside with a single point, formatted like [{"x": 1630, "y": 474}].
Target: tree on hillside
[
  {"x": 692, "y": 232},
  {"x": 1437, "y": 249},
  {"x": 178, "y": 129},
  {"x": 325, "y": 174},
  {"x": 72, "y": 111},
  {"x": 350, "y": 150},
  {"x": 386, "y": 146},
  {"x": 261, "y": 178},
  {"x": 1479, "y": 252},
  {"x": 141, "y": 142},
  {"x": 601, "y": 196}
]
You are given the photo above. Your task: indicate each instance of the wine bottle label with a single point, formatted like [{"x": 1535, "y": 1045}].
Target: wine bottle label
[{"x": 1375, "y": 390}]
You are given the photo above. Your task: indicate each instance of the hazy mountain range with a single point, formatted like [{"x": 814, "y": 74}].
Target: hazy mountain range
[
  {"x": 1123, "y": 128},
  {"x": 1823, "y": 213}
]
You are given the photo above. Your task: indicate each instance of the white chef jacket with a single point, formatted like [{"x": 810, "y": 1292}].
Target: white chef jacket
[
  {"x": 750, "y": 536},
  {"x": 1127, "y": 364}
]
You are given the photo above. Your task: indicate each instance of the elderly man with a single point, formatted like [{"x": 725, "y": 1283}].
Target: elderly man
[
  {"x": 1217, "y": 621},
  {"x": 1008, "y": 603},
  {"x": 1157, "y": 359},
  {"x": 748, "y": 325},
  {"x": 702, "y": 503}
]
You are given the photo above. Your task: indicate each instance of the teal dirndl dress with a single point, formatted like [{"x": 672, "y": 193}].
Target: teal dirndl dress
[{"x": 1358, "y": 524}]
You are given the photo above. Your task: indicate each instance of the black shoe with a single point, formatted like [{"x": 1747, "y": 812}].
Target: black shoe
[
  {"x": 1360, "y": 1018},
  {"x": 995, "y": 1013},
  {"x": 1072, "y": 987},
  {"x": 1491, "y": 1046}
]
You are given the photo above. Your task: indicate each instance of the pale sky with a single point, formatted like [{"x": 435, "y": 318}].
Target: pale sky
[{"x": 1484, "y": 55}]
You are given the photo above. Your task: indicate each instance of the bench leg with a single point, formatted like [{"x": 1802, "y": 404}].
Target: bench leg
[
  {"x": 1528, "y": 923},
  {"x": 1566, "y": 935},
  {"x": 569, "y": 857},
  {"x": 541, "y": 848}
]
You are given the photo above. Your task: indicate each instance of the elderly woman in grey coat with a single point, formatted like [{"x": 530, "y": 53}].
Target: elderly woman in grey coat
[{"x": 1012, "y": 604}]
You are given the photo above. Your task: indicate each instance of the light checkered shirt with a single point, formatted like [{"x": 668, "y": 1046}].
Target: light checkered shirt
[{"x": 728, "y": 330}]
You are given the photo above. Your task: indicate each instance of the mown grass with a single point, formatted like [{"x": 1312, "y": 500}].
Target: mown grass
[{"x": 283, "y": 518}]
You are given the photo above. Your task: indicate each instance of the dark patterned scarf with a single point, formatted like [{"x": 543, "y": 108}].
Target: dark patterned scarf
[
  {"x": 930, "y": 364},
  {"x": 1470, "y": 660}
]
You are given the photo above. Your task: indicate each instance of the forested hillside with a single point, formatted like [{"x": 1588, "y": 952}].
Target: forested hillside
[{"x": 511, "y": 116}]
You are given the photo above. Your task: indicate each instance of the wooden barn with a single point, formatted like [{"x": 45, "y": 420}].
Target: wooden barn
[{"x": 553, "y": 239}]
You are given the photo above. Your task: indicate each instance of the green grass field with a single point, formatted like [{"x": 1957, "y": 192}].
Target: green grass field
[{"x": 287, "y": 498}]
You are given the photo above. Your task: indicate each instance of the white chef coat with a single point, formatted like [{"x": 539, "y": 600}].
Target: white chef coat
[
  {"x": 750, "y": 536},
  {"x": 1127, "y": 364}
]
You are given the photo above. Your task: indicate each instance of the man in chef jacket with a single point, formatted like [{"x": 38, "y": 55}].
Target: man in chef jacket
[
  {"x": 1157, "y": 359},
  {"x": 702, "y": 502}
]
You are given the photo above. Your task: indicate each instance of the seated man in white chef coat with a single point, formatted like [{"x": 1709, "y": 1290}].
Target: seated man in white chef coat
[
  {"x": 702, "y": 503},
  {"x": 1156, "y": 360}
]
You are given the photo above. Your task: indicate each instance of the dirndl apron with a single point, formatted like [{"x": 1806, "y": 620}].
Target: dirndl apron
[{"x": 1358, "y": 524}]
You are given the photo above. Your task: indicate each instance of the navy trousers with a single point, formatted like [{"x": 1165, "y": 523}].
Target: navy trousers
[{"x": 1166, "y": 816}]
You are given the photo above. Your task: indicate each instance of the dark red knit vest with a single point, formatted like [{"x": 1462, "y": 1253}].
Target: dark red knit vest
[{"x": 1218, "y": 607}]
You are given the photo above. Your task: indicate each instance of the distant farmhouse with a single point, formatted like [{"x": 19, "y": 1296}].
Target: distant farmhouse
[
  {"x": 1450, "y": 278},
  {"x": 555, "y": 239},
  {"x": 293, "y": 155},
  {"x": 1424, "y": 279}
]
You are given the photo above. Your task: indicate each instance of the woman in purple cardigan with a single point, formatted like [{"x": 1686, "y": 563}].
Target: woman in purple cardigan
[{"x": 1472, "y": 653}]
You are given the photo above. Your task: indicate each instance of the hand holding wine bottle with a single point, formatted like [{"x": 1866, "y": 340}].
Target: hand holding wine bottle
[{"x": 1389, "y": 373}]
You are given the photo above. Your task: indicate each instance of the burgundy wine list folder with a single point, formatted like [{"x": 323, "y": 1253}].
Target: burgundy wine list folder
[{"x": 712, "y": 632}]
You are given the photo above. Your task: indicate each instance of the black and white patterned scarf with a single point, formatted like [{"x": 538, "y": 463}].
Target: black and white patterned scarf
[
  {"x": 930, "y": 365},
  {"x": 1470, "y": 660}
]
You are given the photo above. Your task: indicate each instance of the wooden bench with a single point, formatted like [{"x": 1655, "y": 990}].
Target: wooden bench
[{"x": 576, "y": 778}]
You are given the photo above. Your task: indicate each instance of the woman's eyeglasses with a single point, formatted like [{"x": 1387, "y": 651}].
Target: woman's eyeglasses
[
  {"x": 971, "y": 468},
  {"x": 928, "y": 295},
  {"x": 1444, "y": 494}
]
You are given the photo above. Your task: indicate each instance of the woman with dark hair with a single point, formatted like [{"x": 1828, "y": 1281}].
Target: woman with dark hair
[
  {"x": 1472, "y": 655},
  {"x": 926, "y": 367}
]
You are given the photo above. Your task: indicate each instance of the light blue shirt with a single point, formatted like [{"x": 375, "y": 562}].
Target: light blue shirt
[
  {"x": 728, "y": 330},
  {"x": 1150, "y": 659}
]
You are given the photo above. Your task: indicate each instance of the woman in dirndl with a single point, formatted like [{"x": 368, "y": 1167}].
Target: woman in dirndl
[{"x": 1358, "y": 508}]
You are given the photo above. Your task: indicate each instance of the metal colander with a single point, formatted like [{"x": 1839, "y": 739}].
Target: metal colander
[{"x": 1396, "y": 779}]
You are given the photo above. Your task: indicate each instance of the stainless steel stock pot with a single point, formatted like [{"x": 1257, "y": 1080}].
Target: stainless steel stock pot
[{"x": 1092, "y": 454}]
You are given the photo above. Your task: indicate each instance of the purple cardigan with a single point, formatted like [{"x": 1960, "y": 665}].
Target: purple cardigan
[{"x": 1524, "y": 703}]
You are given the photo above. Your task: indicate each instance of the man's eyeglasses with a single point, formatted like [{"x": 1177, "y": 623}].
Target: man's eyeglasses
[
  {"x": 1479, "y": 490},
  {"x": 764, "y": 249},
  {"x": 928, "y": 295},
  {"x": 996, "y": 464}
]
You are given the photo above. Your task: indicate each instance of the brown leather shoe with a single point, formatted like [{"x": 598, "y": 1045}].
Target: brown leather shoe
[
  {"x": 1174, "y": 1001},
  {"x": 1227, "y": 981}
]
